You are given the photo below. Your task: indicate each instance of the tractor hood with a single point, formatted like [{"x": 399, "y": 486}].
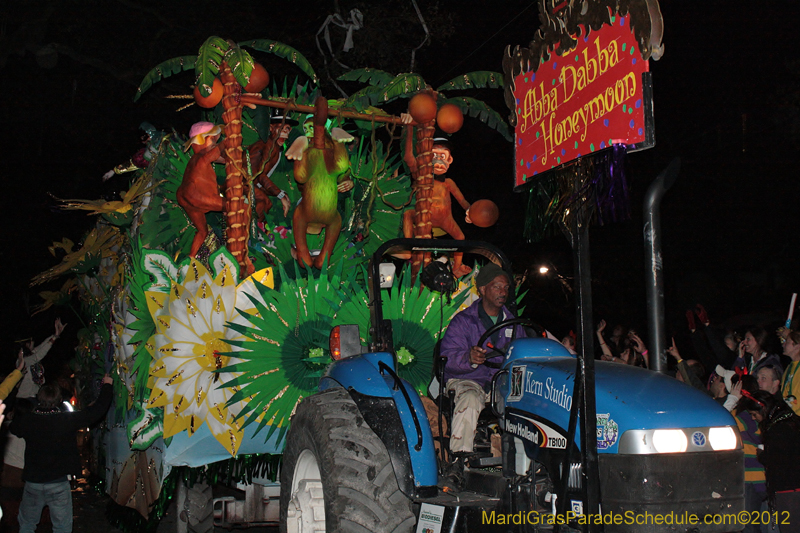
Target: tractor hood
[{"x": 538, "y": 396}]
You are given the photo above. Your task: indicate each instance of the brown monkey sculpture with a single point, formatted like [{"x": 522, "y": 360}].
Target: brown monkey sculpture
[
  {"x": 264, "y": 159},
  {"x": 199, "y": 192},
  {"x": 323, "y": 171},
  {"x": 441, "y": 215}
]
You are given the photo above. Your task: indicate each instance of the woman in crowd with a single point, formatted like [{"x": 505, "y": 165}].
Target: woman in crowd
[
  {"x": 790, "y": 385},
  {"x": 753, "y": 351},
  {"x": 780, "y": 433}
]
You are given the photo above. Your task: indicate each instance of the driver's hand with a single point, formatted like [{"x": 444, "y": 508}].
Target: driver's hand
[{"x": 477, "y": 355}]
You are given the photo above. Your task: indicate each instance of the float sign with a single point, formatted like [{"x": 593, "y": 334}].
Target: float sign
[{"x": 584, "y": 101}]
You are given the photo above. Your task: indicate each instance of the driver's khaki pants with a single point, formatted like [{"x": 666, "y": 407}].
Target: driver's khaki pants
[{"x": 470, "y": 399}]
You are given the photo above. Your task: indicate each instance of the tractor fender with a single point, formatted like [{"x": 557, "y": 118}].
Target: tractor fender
[{"x": 395, "y": 413}]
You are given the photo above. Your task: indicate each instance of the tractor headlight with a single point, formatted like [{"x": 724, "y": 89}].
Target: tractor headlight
[
  {"x": 723, "y": 438},
  {"x": 670, "y": 440}
]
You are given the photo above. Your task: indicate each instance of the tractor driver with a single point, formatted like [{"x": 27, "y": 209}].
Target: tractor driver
[{"x": 465, "y": 372}]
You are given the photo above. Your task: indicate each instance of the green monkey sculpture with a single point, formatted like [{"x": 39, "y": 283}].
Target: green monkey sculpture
[{"x": 323, "y": 171}]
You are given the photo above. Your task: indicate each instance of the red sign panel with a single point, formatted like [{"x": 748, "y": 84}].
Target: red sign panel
[{"x": 581, "y": 102}]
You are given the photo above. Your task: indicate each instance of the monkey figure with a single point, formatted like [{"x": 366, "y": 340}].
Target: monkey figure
[
  {"x": 322, "y": 169},
  {"x": 264, "y": 159},
  {"x": 441, "y": 214},
  {"x": 199, "y": 192}
]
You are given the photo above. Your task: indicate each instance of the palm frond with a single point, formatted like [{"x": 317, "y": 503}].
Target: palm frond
[
  {"x": 371, "y": 76},
  {"x": 480, "y": 110},
  {"x": 208, "y": 62},
  {"x": 283, "y": 51},
  {"x": 164, "y": 70},
  {"x": 481, "y": 79},
  {"x": 402, "y": 85},
  {"x": 241, "y": 63}
]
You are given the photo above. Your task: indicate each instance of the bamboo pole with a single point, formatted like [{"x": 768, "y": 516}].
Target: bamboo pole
[{"x": 291, "y": 106}]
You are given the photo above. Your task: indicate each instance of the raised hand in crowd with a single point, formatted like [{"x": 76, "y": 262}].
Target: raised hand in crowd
[
  {"x": 59, "y": 327},
  {"x": 673, "y": 351},
  {"x": 702, "y": 314}
]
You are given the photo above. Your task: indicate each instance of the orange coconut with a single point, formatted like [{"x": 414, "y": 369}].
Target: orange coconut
[
  {"x": 212, "y": 99},
  {"x": 484, "y": 213},
  {"x": 422, "y": 108},
  {"x": 450, "y": 118},
  {"x": 259, "y": 79}
]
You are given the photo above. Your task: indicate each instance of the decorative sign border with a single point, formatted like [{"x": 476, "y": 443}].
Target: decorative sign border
[
  {"x": 583, "y": 83},
  {"x": 580, "y": 103}
]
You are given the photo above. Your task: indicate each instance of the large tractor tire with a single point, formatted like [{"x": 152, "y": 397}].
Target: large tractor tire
[{"x": 336, "y": 475}]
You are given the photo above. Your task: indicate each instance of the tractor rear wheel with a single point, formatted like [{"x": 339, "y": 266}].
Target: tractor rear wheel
[{"x": 336, "y": 475}]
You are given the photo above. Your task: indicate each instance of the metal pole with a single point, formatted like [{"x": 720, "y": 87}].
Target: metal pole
[
  {"x": 583, "y": 300},
  {"x": 583, "y": 394},
  {"x": 653, "y": 271}
]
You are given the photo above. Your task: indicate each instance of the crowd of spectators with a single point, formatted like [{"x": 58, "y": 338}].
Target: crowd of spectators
[{"x": 40, "y": 445}]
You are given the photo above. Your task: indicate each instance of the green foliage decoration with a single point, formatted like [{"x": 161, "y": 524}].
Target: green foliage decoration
[
  {"x": 483, "y": 79},
  {"x": 163, "y": 223},
  {"x": 380, "y": 195},
  {"x": 140, "y": 281}
]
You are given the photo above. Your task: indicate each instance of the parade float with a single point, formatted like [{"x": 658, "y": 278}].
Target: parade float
[{"x": 210, "y": 306}]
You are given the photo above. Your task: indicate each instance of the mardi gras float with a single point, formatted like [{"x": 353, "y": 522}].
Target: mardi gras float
[{"x": 210, "y": 287}]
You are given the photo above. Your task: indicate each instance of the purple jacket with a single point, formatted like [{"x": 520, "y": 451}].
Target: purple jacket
[{"x": 462, "y": 334}]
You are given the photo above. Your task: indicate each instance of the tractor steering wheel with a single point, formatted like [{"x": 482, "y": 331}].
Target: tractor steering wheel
[{"x": 525, "y": 322}]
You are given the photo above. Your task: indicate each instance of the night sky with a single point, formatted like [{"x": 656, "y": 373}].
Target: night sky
[{"x": 727, "y": 102}]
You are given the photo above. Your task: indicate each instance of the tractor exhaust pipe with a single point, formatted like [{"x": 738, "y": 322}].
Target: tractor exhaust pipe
[{"x": 653, "y": 268}]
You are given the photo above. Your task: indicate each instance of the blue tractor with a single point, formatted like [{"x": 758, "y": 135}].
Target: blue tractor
[{"x": 360, "y": 454}]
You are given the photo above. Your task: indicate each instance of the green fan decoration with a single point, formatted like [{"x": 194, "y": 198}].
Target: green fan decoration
[
  {"x": 282, "y": 358},
  {"x": 419, "y": 317}
]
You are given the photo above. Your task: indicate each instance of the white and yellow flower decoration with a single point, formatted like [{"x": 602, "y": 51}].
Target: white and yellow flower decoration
[
  {"x": 121, "y": 334},
  {"x": 191, "y": 307}
]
